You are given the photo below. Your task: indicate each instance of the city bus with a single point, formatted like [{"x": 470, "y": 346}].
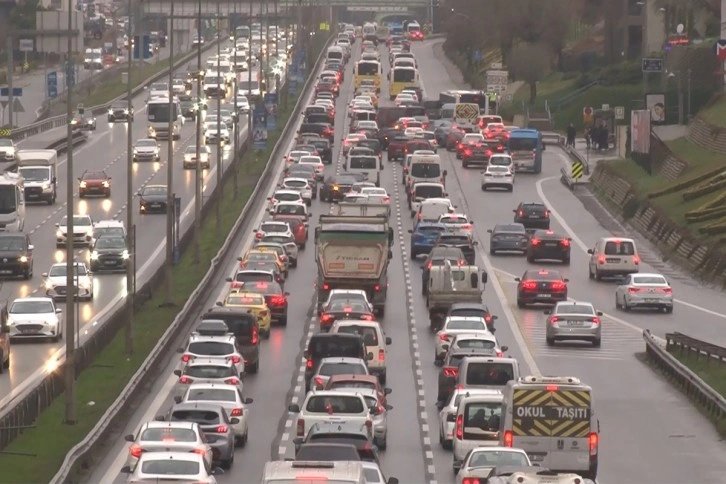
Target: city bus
[
  {"x": 158, "y": 113},
  {"x": 12, "y": 202},
  {"x": 525, "y": 146},
  {"x": 401, "y": 78},
  {"x": 368, "y": 70},
  {"x": 486, "y": 101}
]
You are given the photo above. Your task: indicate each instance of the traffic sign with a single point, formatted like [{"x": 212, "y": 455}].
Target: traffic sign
[
  {"x": 5, "y": 92},
  {"x": 466, "y": 113},
  {"x": 719, "y": 49},
  {"x": 52, "y": 81},
  {"x": 619, "y": 113},
  {"x": 25, "y": 45},
  {"x": 17, "y": 106},
  {"x": 652, "y": 64},
  {"x": 497, "y": 80},
  {"x": 577, "y": 170},
  {"x": 5, "y": 132}
]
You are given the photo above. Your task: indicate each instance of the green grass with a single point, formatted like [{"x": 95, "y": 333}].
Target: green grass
[
  {"x": 36, "y": 455},
  {"x": 710, "y": 371},
  {"x": 111, "y": 90},
  {"x": 554, "y": 87},
  {"x": 716, "y": 113}
]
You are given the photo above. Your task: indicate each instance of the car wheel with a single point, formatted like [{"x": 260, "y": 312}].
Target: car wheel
[
  {"x": 617, "y": 302},
  {"x": 589, "y": 272},
  {"x": 227, "y": 464},
  {"x": 530, "y": 258},
  {"x": 302, "y": 246},
  {"x": 566, "y": 261},
  {"x": 521, "y": 304},
  {"x": 596, "y": 342},
  {"x": 382, "y": 443},
  {"x": 27, "y": 273},
  {"x": 550, "y": 341},
  {"x": 6, "y": 363},
  {"x": 283, "y": 321},
  {"x": 293, "y": 262},
  {"x": 254, "y": 368},
  {"x": 669, "y": 309},
  {"x": 626, "y": 306},
  {"x": 598, "y": 276},
  {"x": 110, "y": 119}
]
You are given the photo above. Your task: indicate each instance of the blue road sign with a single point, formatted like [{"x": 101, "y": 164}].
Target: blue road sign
[
  {"x": 17, "y": 92},
  {"x": 652, "y": 64},
  {"x": 52, "y": 81},
  {"x": 148, "y": 49}
]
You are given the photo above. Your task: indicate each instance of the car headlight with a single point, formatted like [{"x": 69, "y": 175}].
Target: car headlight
[
  {"x": 110, "y": 112},
  {"x": 125, "y": 254},
  {"x": 23, "y": 259},
  {"x": 94, "y": 255},
  {"x": 89, "y": 234},
  {"x": 83, "y": 184},
  {"x": 136, "y": 152},
  {"x": 59, "y": 233},
  {"x": 49, "y": 284},
  {"x": 126, "y": 112},
  {"x": 84, "y": 284},
  {"x": 106, "y": 184},
  {"x": 46, "y": 185}
]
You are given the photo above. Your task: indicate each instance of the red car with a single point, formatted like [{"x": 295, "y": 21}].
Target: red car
[
  {"x": 469, "y": 140},
  {"x": 327, "y": 85},
  {"x": 416, "y": 35},
  {"x": 94, "y": 183},
  {"x": 496, "y": 131},
  {"x": 298, "y": 226}
]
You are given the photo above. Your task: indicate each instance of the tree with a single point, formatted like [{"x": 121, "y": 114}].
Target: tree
[
  {"x": 463, "y": 35},
  {"x": 22, "y": 16},
  {"x": 530, "y": 63}
]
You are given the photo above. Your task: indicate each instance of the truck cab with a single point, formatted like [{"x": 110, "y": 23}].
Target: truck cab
[{"x": 38, "y": 171}]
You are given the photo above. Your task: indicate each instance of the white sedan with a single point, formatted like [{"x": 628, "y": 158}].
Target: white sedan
[
  {"x": 457, "y": 223},
  {"x": 229, "y": 398},
  {"x": 648, "y": 291},
  {"x": 56, "y": 278},
  {"x": 456, "y": 325},
  {"x": 376, "y": 194},
  {"x": 496, "y": 176},
  {"x": 285, "y": 196},
  {"x": 301, "y": 186},
  {"x": 35, "y": 317},
  {"x": 480, "y": 462},
  {"x": 315, "y": 161}
]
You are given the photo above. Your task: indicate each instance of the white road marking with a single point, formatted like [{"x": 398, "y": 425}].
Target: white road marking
[{"x": 581, "y": 244}]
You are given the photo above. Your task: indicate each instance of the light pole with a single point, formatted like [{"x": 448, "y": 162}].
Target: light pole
[
  {"x": 170, "y": 208},
  {"x": 235, "y": 119},
  {"x": 70, "y": 364},
  {"x": 130, "y": 267},
  {"x": 218, "y": 205},
  {"x": 198, "y": 141},
  {"x": 249, "y": 74}
]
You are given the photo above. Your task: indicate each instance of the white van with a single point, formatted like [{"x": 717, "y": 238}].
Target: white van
[
  {"x": 335, "y": 53},
  {"x": 432, "y": 209},
  {"x": 553, "y": 420},
  {"x": 368, "y": 165},
  {"x": 374, "y": 339},
  {"x": 477, "y": 424},
  {"x": 425, "y": 168},
  {"x": 423, "y": 191},
  {"x": 613, "y": 257}
]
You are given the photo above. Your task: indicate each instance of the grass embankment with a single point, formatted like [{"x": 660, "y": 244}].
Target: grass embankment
[
  {"x": 111, "y": 90},
  {"x": 36, "y": 455},
  {"x": 710, "y": 371}
]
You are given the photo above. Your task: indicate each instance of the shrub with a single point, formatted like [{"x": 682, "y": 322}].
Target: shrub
[
  {"x": 716, "y": 184},
  {"x": 702, "y": 216},
  {"x": 685, "y": 183}
]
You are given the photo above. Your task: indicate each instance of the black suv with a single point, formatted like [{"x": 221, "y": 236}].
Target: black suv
[
  {"x": 461, "y": 241},
  {"x": 324, "y": 149},
  {"x": 532, "y": 215},
  {"x": 245, "y": 328},
  {"x": 16, "y": 255},
  {"x": 329, "y": 345},
  {"x": 336, "y": 186},
  {"x": 109, "y": 253}
]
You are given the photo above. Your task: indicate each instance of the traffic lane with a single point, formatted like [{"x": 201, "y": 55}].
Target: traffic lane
[{"x": 277, "y": 367}]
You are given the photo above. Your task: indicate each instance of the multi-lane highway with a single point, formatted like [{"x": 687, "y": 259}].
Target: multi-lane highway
[
  {"x": 650, "y": 433},
  {"x": 105, "y": 150}
]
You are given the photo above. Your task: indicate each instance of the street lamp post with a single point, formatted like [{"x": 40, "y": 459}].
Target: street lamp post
[
  {"x": 198, "y": 141},
  {"x": 170, "y": 208},
  {"x": 218, "y": 205},
  {"x": 130, "y": 267},
  {"x": 236, "y": 116}
]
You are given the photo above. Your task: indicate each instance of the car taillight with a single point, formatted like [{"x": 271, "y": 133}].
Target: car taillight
[
  {"x": 529, "y": 285},
  {"x": 235, "y": 359},
  {"x": 595, "y": 320},
  {"x": 601, "y": 259},
  {"x": 185, "y": 380},
  {"x": 319, "y": 382},
  {"x": 470, "y": 480},
  {"x": 565, "y": 243},
  {"x": 309, "y": 364},
  {"x": 460, "y": 427},
  {"x": 520, "y": 213},
  {"x": 381, "y": 355},
  {"x": 186, "y": 358},
  {"x": 558, "y": 286},
  {"x": 534, "y": 241},
  {"x": 222, "y": 429},
  {"x": 367, "y": 317},
  {"x": 444, "y": 337},
  {"x": 500, "y": 353},
  {"x": 326, "y": 287},
  {"x": 136, "y": 451},
  {"x": 429, "y": 265},
  {"x": 594, "y": 440},
  {"x": 467, "y": 226},
  {"x": 200, "y": 451},
  {"x": 554, "y": 319},
  {"x": 377, "y": 287},
  {"x": 326, "y": 318},
  {"x": 508, "y": 438},
  {"x": 547, "y": 214},
  {"x": 255, "y": 336},
  {"x": 231, "y": 381},
  {"x": 369, "y": 424},
  {"x": 451, "y": 371},
  {"x": 636, "y": 260},
  {"x": 420, "y": 216},
  {"x": 301, "y": 427},
  {"x": 460, "y": 146},
  {"x": 283, "y": 258},
  {"x": 236, "y": 412},
  {"x": 634, "y": 290},
  {"x": 278, "y": 300},
  {"x": 237, "y": 284},
  {"x": 665, "y": 290}
]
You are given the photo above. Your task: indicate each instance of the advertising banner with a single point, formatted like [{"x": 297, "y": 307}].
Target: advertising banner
[
  {"x": 640, "y": 131},
  {"x": 259, "y": 128},
  {"x": 271, "y": 109}
]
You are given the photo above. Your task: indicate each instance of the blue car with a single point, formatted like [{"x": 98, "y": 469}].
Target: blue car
[{"x": 424, "y": 236}]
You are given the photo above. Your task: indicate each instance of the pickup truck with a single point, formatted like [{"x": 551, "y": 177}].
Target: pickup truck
[{"x": 450, "y": 284}]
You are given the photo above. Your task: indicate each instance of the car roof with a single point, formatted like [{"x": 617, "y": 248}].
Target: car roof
[
  {"x": 468, "y": 305},
  {"x": 342, "y": 359}
]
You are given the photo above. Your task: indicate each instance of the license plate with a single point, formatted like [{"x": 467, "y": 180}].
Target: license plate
[
  {"x": 533, "y": 215},
  {"x": 652, "y": 300},
  {"x": 156, "y": 205},
  {"x": 544, "y": 295},
  {"x": 551, "y": 244},
  {"x": 612, "y": 261},
  {"x": 536, "y": 458},
  {"x": 111, "y": 262},
  {"x": 575, "y": 323},
  {"x": 27, "y": 330}
]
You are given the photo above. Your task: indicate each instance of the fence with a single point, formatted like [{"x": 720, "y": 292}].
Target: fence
[{"x": 695, "y": 347}]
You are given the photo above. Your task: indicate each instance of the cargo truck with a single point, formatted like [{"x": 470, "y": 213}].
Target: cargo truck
[
  {"x": 352, "y": 252},
  {"x": 37, "y": 168},
  {"x": 449, "y": 284}
]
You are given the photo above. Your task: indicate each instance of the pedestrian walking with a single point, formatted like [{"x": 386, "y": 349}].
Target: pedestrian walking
[
  {"x": 571, "y": 132},
  {"x": 588, "y": 137}
]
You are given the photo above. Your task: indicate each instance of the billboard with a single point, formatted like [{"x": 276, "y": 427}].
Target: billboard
[
  {"x": 655, "y": 103},
  {"x": 640, "y": 131},
  {"x": 259, "y": 127}
]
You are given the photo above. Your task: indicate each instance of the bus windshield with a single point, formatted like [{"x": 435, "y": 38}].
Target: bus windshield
[
  {"x": 159, "y": 113},
  {"x": 246, "y": 85},
  {"x": 404, "y": 75},
  {"x": 8, "y": 199},
  {"x": 522, "y": 144},
  {"x": 368, "y": 68}
]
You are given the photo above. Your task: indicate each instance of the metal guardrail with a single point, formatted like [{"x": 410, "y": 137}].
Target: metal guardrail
[
  {"x": 697, "y": 346},
  {"x": 47, "y": 124},
  {"x": 691, "y": 384},
  {"x": 81, "y": 453}
]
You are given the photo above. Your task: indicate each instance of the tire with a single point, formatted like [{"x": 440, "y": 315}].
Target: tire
[
  {"x": 227, "y": 464},
  {"x": 617, "y": 302},
  {"x": 669, "y": 310},
  {"x": 520, "y": 304},
  {"x": 464, "y": 164},
  {"x": 626, "y": 306},
  {"x": 6, "y": 363},
  {"x": 596, "y": 343},
  {"x": 598, "y": 276},
  {"x": 293, "y": 263},
  {"x": 483, "y": 188},
  {"x": 27, "y": 273},
  {"x": 492, "y": 252},
  {"x": 283, "y": 321},
  {"x": 589, "y": 273},
  {"x": 382, "y": 378},
  {"x": 566, "y": 261},
  {"x": 550, "y": 341},
  {"x": 254, "y": 368},
  {"x": 381, "y": 444},
  {"x": 530, "y": 259}
]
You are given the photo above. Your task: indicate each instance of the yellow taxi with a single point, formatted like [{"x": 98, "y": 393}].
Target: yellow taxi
[
  {"x": 260, "y": 257},
  {"x": 255, "y": 303}
]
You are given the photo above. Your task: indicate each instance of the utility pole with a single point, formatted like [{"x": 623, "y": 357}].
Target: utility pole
[
  {"x": 218, "y": 205},
  {"x": 11, "y": 67},
  {"x": 70, "y": 330},
  {"x": 198, "y": 141},
  {"x": 249, "y": 74},
  {"x": 236, "y": 116},
  {"x": 130, "y": 266},
  {"x": 170, "y": 205}
]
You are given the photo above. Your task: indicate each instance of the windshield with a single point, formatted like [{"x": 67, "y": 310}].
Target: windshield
[
  {"x": 363, "y": 162},
  {"x": 368, "y": 68},
  {"x": 494, "y": 458},
  {"x": 154, "y": 191},
  {"x": 500, "y": 161},
  {"x": 159, "y": 112},
  {"x": 246, "y": 300},
  {"x": 169, "y": 434},
  {"x": 404, "y": 75},
  {"x": 110, "y": 243},
  {"x": 483, "y": 344},
  {"x": 6, "y": 142},
  {"x": 159, "y": 86},
  {"x": 425, "y": 170},
  {"x": 77, "y": 220},
  {"x": 31, "y": 307},
  {"x": 466, "y": 324},
  {"x": 34, "y": 174},
  {"x": 211, "y": 348},
  {"x": 428, "y": 191},
  {"x": 522, "y": 144},
  {"x": 146, "y": 143},
  {"x": 60, "y": 270},
  {"x": 369, "y": 334},
  {"x": 489, "y": 374},
  {"x": 341, "y": 369},
  {"x": 649, "y": 280},
  {"x": 8, "y": 198},
  {"x": 335, "y": 404},
  {"x": 12, "y": 243},
  {"x": 210, "y": 371},
  {"x": 212, "y": 395},
  {"x": 168, "y": 467},
  {"x": 101, "y": 231}
]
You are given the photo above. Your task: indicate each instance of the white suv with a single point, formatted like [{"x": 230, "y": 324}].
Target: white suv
[
  {"x": 613, "y": 257},
  {"x": 374, "y": 340}
]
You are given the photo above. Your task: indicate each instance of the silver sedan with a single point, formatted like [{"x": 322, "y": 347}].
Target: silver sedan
[
  {"x": 573, "y": 320},
  {"x": 480, "y": 462},
  {"x": 648, "y": 291}
]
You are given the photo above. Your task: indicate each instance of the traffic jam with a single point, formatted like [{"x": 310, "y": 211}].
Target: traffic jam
[{"x": 498, "y": 425}]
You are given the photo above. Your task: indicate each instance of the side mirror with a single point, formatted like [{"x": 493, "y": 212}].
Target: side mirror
[
  {"x": 369, "y": 357},
  {"x": 410, "y": 231},
  {"x": 31, "y": 247},
  {"x": 566, "y": 280},
  {"x": 58, "y": 310},
  {"x": 392, "y": 480},
  {"x": 446, "y": 173},
  {"x": 490, "y": 231},
  {"x": 248, "y": 400},
  {"x": 589, "y": 251},
  {"x": 234, "y": 420},
  {"x": 484, "y": 277},
  {"x": 494, "y": 318},
  {"x": 387, "y": 391},
  {"x": 129, "y": 438},
  {"x": 298, "y": 441},
  {"x": 517, "y": 279},
  {"x": 4, "y": 329},
  {"x": 57, "y": 225},
  {"x": 599, "y": 313},
  {"x": 547, "y": 311},
  {"x": 504, "y": 348},
  {"x": 293, "y": 408},
  {"x": 159, "y": 418},
  {"x": 388, "y": 340},
  {"x": 177, "y": 372},
  {"x": 177, "y": 399},
  {"x": 476, "y": 242},
  {"x": 45, "y": 274},
  {"x": 126, "y": 469},
  {"x": 229, "y": 279},
  {"x": 389, "y": 407},
  {"x": 239, "y": 259}
]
